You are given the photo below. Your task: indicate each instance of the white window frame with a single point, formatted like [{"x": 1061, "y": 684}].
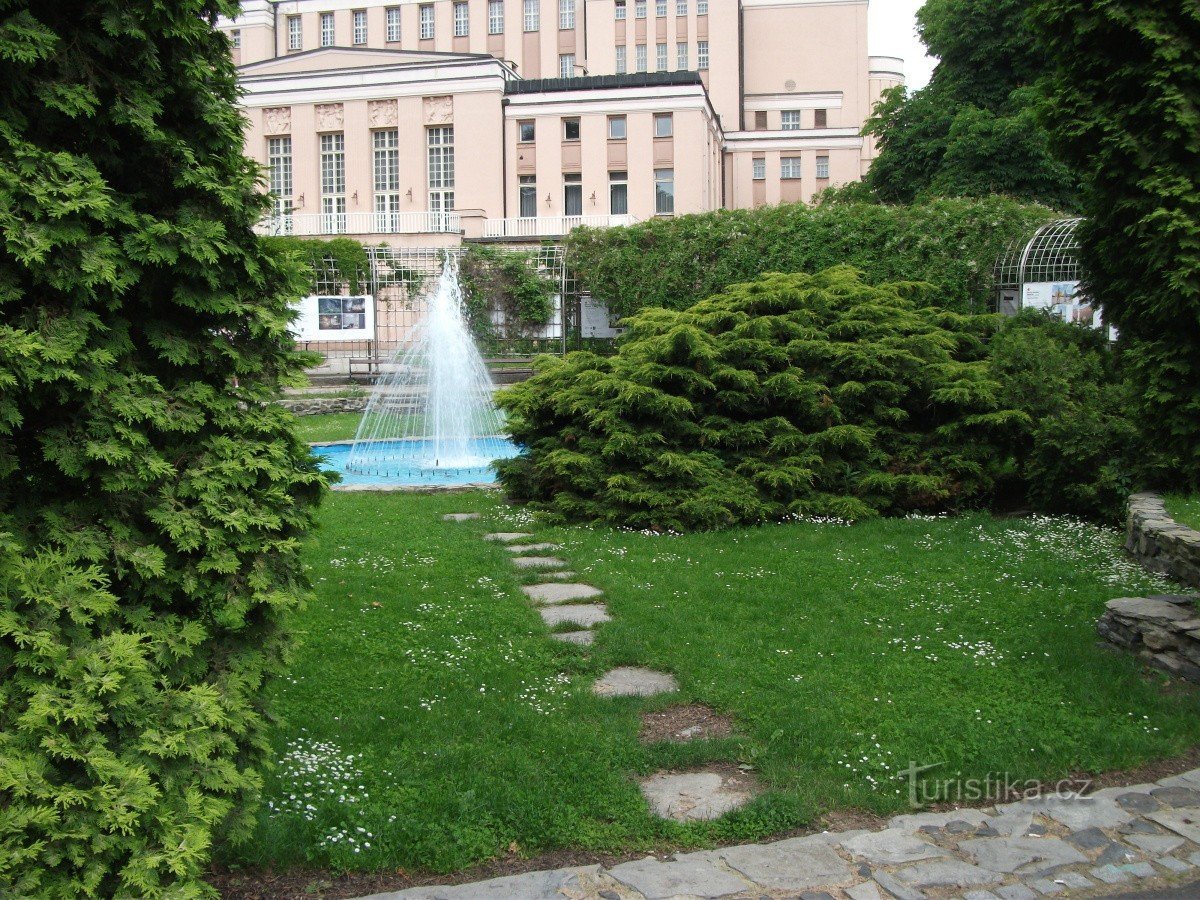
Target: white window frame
[
  {"x": 681, "y": 7},
  {"x": 295, "y": 27},
  {"x": 533, "y": 15},
  {"x": 495, "y": 16},
  {"x": 624, "y": 129},
  {"x": 622, "y": 59},
  {"x": 615, "y": 182},
  {"x": 702, "y": 7},
  {"x": 359, "y": 32},
  {"x": 660, "y": 8},
  {"x": 328, "y": 30},
  {"x": 639, "y": 55},
  {"x": 393, "y": 24},
  {"x": 701, "y": 56},
  {"x": 280, "y": 182},
  {"x": 385, "y": 163},
  {"x": 425, "y": 12},
  {"x": 566, "y": 65},
  {"x": 620, "y": 11},
  {"x": 440, "y": 174},
  {"x": 681, "y": 55},
  {"x": 758, "y": 168},
  {"x": 566, "y": 15},
  {"x": 791, "y": 168},
  {"x": 333, "y": 182},
  {"x": 661, "y": 57},
  {"x": 664, "y": 202},
  {"x": 639, "y": 9},
  {"x": 789, "y": 120},
  {"x": 462, "y": 18},
  {"x": 823, "y": 167},
  {"x": 664, "y": 118}
]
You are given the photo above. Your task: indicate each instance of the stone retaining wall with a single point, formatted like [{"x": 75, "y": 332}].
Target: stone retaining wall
[
  {"x": 1163, "y": 630},
  {"x": 1160, "y": 543},
  {"x": 311, "y": 406}
]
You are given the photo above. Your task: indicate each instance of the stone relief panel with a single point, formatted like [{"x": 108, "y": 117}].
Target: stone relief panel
[
  {"x": 383, "y": 113},
  {"x": 277, "y": 120},
  {"x": 330, "y": 116},
  {"x": 439, "y": 110}
]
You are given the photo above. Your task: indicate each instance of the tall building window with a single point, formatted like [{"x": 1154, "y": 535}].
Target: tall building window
[
  {"x": 621, "y": 63},
  {"x": 566, "y": 65},
  {"x": 790, "y": 119},
  {"x": 822, "y": 166},
  {"x": 393, "y": 24},
  {"x": 640, "y": 57},
  {"x": 495, "y": 16},
  {"x": 760, "y": 168},
  {"x": 360, "y": 26},
  {"x": 573, "y": 195},
  {"x": 426, "y": 13},
  {"x": 526, "y": 132},
  {"x": 566, "y": 14},
  {"x": 789, "y": 168},
  {"x": 702, "y": 7},
  {"x": 441, "y": 175},
  {"x": 333, "y": 183},
  {"x": 639, "y": 8},
  {"x": 619, "y": 10},
  {"x": 533, "y": 15},
  {"x": 386, "y": 146},
  {"x": 235, "y": 39},
  {"x": 328, "y": 34},
  {"x": 820, "y": 118},
  {"x": 664, "y": 191},
  {"x": 664, "y": 125},
  {"x": 681, "y": 56},
  {"x": 660, "y": 8},
  {"x": 617, "y": 129},
  {"x": 618, "y": 193},
  {"x": 279, "y": 180},
  {"x": 702, "y": 55},
  {"x": 681, "y": 7},
  {"x": 660, "y": 57},
  {"x": 528, "y": 194},
  {"x": 295, "y": 34},
  {"x": 570, "y": 129},
  {"x": 462, "y": 19}
]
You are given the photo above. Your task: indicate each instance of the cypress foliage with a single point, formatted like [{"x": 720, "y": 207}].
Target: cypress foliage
[
  {"x": 1124, "y": 108},
  {"x": 793, "y": 394},
  {"x": 152, "y": 497}
]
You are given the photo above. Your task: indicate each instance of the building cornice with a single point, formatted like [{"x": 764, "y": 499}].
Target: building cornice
[{"x": 809, "y": 139}]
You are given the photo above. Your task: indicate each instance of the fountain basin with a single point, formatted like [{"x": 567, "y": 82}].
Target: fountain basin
[{"x": 416, "y": 462}]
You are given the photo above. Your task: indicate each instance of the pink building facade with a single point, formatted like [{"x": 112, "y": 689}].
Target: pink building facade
[{"x": 415, "y": 123}]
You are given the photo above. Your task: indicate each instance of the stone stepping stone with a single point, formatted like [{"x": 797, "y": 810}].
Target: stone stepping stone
[
  {"x": 460, "y": 517},
  {"x": 539, "y": 562},
  {"x": 695, "y": 796},
  {"x": 585, "y": 615},
  {"x": 505, "y": 537},
  {"x": 559, "y": 592},
  {"x": 634, "y": 681},
  {"x": 575, "y": 637},
  {"x": 530, "y": 548}
]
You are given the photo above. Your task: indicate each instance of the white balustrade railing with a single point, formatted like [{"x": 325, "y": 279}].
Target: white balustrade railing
[
  {"x": 308, "y": 224},
  {"x": 542, "y": 226}
]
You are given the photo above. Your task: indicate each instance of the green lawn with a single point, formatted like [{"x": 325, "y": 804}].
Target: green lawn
[
  {"x": 1184, "y": 509},
  {"x": 328, "y": 427},
  {"x": 427, "y": 707}
]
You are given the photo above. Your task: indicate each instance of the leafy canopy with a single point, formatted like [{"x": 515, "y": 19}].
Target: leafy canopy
[{"x": 152, "y": 496}]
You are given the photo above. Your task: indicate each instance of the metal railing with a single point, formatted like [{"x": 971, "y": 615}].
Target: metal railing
[
  {"x": 547, "y": 226},
  {"x": 311, "y": 224}
]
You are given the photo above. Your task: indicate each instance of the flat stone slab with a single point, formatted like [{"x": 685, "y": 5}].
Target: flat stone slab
[
  {"x": 1156, "y": 843},
  {"x": 1149, "y": 608},
  {"x": 460, "y": 517},
  {"x": 890, "y": 847},
  {"x": 584, "y": 615},
  {"x": 1185, "y": 823},
  {"x": 634, "y": 681},
  {"x": 551, "y": 885},
  {"x": 793, "y": 865},
  {"x": 539, "y": 562},
  {"x": 693, "y": 875},
  {"x": 1022, "y": 855},
  {"x": 1077, "y": 813},
  {"x": 913, "y": 821},
  {"x": 575, "y": 637},
  {"x": 945, "y": 873},
  {"x": 530, "y": 548},
  {"x": 560, "y": 592},
  {"x": 557, "y": 576},
  {"x": 693, "y": 796},
  {"x": 505, "y": 536},
  {"x": 1186, "y": 779}
]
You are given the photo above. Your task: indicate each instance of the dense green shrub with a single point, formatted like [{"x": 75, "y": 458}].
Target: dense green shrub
[
  {"x": 152, "y": 496},
  {"x": 495, "y": 279},
  {"x": 1125, "y": 113},
  {"x": 1077, "y": 449},
  {"x": 331, "y": 261},
  {"x": 673, "y": 263},
  {"x": 794, "y": 394}
]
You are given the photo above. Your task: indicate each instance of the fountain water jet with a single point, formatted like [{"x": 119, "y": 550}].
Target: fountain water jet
[{"x": 432, "y": 417}]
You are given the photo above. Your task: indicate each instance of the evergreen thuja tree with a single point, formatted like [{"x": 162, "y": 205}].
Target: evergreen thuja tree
[{"x": 152, "y": 497}]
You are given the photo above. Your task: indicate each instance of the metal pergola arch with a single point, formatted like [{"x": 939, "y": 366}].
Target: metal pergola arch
[{"x": 1052, "y": 254}]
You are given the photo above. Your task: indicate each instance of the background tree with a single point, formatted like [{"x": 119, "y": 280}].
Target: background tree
[
  {"x": 152, "y": 497},
  {"x": 973, "y": 130},
  {"x": 1125, "y": 111}
]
